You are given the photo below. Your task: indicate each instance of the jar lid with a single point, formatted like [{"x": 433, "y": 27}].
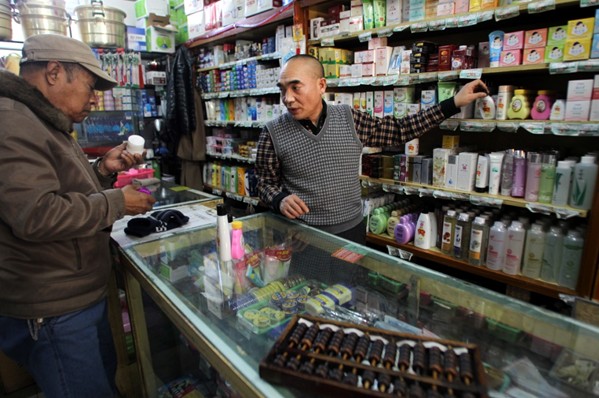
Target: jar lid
[
  {"x": 522, "y": 91},
  {"x": 507, "y": 88}
]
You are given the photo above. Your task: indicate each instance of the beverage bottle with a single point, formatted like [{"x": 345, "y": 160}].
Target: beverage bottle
[
  {"x": 496, "y": 246},
  {"x": 563, "y": 177},
  {"x": 583, "y": 183},
  {"x": 449, "y": 222},
  {"x": 533, "y": 176},
  {"x": 552, "y": 254},
  {"x": 461, "y": 240},
  {"x": 479, "y": 237},
  {"x": 571, "y": 257},
  {"x": 547, "y": 178},
  {"x": 533, "y": 251},
  {"x": 513, "y": 248}
]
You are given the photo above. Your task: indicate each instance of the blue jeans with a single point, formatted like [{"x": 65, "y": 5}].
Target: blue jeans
[{"x": 69, "y": 356}]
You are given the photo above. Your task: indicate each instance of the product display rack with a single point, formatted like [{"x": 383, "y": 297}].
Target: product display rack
[{"x": 469, "y": 29}]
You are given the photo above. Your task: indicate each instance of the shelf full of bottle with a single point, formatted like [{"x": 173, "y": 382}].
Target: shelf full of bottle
[
  {"x": 234, "y": 182},
  {"x": 541, "y": 181},
  {"x": 249, "y": 112},
  {"x": 536, "y": 252}
]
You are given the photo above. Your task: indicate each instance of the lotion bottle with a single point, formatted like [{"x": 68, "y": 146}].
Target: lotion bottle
[
  {"x": 513, "y": 248},
  {"x": 223, "y": 235},
  {"x": 533, "y": 176},
  {"x": 461, "y": 240},
  {"x": 547, "y": 180},
  {"x": 571, "y": 258},
  {"x": 496, "y": 246},
  {"x": 552, "y": 254},
  {"x": 533, "y": 251},
  {"x": 583, "y": 183},
  {"x": 563, "y": 177},
  {"x": 423, "y": 231}
]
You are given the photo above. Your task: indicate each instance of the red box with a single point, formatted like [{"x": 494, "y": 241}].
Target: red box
[
  {"x": 126, "y": 177},
  {"x": 514, "y": 40},
  {"x": 510, "y": 58},
  {"x": 533, "y": 56},
  {"x": 536, "y": 38},
  {"x": 445, "y": 56}
]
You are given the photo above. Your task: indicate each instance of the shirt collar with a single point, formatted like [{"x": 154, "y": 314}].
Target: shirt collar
[{"x": 308, "y": 125}]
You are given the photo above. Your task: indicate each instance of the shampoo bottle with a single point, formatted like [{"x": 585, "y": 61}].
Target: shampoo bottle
[
  {"x": 461, "y": 240},
  {"x": 583, "y": 183},
  {"x": 423, "y": 231},
  {"x": 533, "y": 176},
  {"x": 479, "y": 236},
  {"x": 533, "y": 251},
  {"x": 513, "y": 248},
  {"x": 563, "y": 177},
  {"x": 223, "y": 236},
  {"x": 496, "y": 246},
  {"x": 552, "y": 254},
  {"x": 547, "y": 178},
  {"x": 519, "y": 174},
  {"x": 392, "y": 222},
  {"x": 448, "y": 231},
  {"x": 571, "y": 257}
]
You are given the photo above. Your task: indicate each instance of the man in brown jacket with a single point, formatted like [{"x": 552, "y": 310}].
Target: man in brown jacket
[{"x": 56, "y": 212}]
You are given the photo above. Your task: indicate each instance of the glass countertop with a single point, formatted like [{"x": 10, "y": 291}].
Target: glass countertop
[{"x": 526, "y": 348}]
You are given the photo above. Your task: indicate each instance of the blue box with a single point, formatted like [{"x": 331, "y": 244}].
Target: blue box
[
  {"x": 595, "y": 46},
  {"x": 596, "y": 30},
  {"x": 136, "y": 39}
]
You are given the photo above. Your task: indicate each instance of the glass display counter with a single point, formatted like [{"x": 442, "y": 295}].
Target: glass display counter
[{"x": 525, "y": 349}]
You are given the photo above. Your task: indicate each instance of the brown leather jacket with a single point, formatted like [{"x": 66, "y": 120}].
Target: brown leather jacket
[{"x": 55, "y": 217}]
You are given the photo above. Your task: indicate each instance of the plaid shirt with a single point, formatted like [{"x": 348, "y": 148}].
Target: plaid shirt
[{"x": 372, "y": 131}]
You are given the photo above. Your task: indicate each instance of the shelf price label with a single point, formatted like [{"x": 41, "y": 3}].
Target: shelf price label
[
  {"x": 387, "y": 32},
  {"x": 404, "y": 80},
  {"x": 485, "y": 201},
  {"x": 386, "y": 80},
  {"x": 450, "y": 124},
  {"x": 468, "y": 20},
  {"x": 367, "y": 81},
  {"x": 437, "y": 24},
  {"x": 563, "y": 67},
  {"x": 427, "y": 77},
  {"x": 565, "y": 213},
  {"x": 588, "y": 3},
  {"x": 486, "y": 16},
  {"x": 333, "y": 82},
  {"x": 507, "y": 12},
  {"x": 401, "y": 28},
  {"x": 471, "y": 73},
  {"x": 539, "y": 208},
  {"x": 480, "y": 127},
  {"x": 533, "y": 128},
  {"x": 364, "y": 37},
  {"x": 590, "y": 65},
  {"x": 327, "y": 42},
  {"x": 508, "y": 127},
  {"x": 541, "y": 6},
  {"x": 419, "y": 27},
  {"x": 451, "y": 22},
  {"x": 448, "y": 75}
]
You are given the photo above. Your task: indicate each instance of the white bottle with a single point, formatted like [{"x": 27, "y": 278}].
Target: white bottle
[
  {"x": 583, "y": 183},
  {"x": 563, "y": 176},
  {"x": 552, "y": 254},
  {"x": 533, "y": 251},
  {"x": 412, "y": 147},
  {"x": 423, "y": 231},
  {"x": 433, "y": 236},
  {"x": 496, "y": 246},
  {"x": 571, "y": 258},
  {"x": 513, "y": 248}
]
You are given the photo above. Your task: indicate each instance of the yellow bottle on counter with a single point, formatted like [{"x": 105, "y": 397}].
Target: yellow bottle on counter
[{"x": 520, "y": 105}]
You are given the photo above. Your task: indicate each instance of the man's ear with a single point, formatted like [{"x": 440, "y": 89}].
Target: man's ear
[
  {"x": 52, "y": 72},
  {"x": 322, "y": 85}
]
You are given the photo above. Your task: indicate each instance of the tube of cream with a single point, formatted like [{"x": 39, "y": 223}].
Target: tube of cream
[
  {"x": 495, "y": 47},
  {"x": 496, "y": 159}
]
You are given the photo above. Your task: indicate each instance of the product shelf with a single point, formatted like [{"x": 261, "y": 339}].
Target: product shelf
[
  {"x": 232, "y": 195},
  {"x": 533, "y": 285},
  {"x": 235, "y": 123},
  {"x": 250, "y": 92},
  {"x": 441, "y": 23},
  {"x": 474, "y": 197},
  {"x": 232, "y": 158},
  {"x": 229, "y": 65}
]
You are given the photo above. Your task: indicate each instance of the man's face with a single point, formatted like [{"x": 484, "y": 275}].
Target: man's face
[
  {"x": 301, "y": 90},
  {"x": 74, "y": 93}
]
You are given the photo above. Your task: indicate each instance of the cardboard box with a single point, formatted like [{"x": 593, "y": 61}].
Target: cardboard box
[
  {"x": 393, "y": 11},
  {"x": 595, "y": 46},
  {"x": 466, "y": 171},
  {"x": 577, "y": 110},
  {"x": 554, "y": 53},
  {"x": 556, "y": 35},
  {"x": 195, "y": 24},
  {"x": 577, "y": 49},
  {"x": 253, "y": 7},
  {"x": 536, "y": 38},
  {"x": 143, "y": 8},
  {"x": 382, "y": 57},
  {"x": 581, "y": 28},
  {"x": 160, "y": 39},
  {"x": 233, "y": 11},
  {"x": 580, "y": 90},
  {"x": 510, "y": 58},
  {"x": 513, "y": 40},
  {"x": 136, "y": 39},
  {"x": 532, "y": 56},
  {"x": 191, "y": 6}
]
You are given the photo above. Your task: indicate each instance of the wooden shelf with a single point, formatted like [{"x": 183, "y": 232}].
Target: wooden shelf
[
  {"x": 533, "y": 285},
  {"x": 473, "y": 196},
  {"x": 232, "y": 195},
  {"x": 245, "y": 25}
]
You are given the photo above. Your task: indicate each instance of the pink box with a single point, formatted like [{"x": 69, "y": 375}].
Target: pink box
[
  {"x": 536, "y": 38},
  {"x": 514, "y": 40},
  {"x": 368, "y": 70},
  {"x": 510, "y": 58},
  {"x": 126, "y": 177},
  {"x": 533, "y": 56}
]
